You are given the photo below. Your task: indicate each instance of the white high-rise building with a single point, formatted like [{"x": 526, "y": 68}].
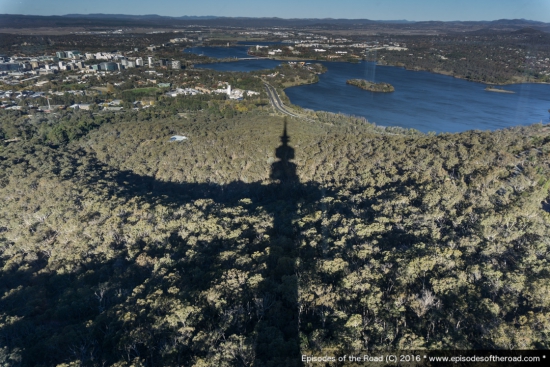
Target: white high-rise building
[
  {"x": 150, "y": 60},
  {"x": 228, "y": 89}
]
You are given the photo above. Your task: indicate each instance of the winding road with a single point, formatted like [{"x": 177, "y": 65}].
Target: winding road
[{"x": 277, "y": 103}]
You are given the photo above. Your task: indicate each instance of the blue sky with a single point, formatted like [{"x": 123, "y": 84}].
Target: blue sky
[{"x": 353, "y": 9}]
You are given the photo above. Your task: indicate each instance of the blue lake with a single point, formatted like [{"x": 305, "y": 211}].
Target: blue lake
[
  {"x": 219, "y": 52},
  {"x": 224, "y": 52},
  {"x": 264, "y": 43},
  {"x": 244, "y": 65},
  {"x": 422, "y": 100}
]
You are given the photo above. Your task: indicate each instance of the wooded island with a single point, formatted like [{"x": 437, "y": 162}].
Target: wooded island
[{"x": 370, "y": 86}]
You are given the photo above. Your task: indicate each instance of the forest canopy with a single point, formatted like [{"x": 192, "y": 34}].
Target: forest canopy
[{"x": 242, "y": 247}]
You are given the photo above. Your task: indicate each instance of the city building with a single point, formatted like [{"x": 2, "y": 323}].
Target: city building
[
  {"x": 108, "y": 66},
  {"x": 73, "y": 54},
  {"x": 80, "y": 106}
]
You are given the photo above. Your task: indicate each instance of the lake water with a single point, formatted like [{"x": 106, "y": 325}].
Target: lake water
[
  {"x": 422, "y": 100},
  {"x": 224, "y": 52},
  {"x": 219, "y": 52}
]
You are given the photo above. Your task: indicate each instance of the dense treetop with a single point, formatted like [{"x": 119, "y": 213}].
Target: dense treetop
[{"x": 118, "y": 247}]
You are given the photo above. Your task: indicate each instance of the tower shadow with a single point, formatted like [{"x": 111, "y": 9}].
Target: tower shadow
[
  {"x": 271, "y": 327},
  {"x": 275, "y": 330},
  {"x": 278, "y": 342}
]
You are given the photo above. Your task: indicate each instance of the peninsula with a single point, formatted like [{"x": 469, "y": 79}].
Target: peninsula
[
  {"x": 370, "y": 86},
  {"x": 493, "y": 89}
]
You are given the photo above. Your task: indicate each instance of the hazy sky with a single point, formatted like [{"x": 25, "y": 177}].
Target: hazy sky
[{"x": 368, "y": 9}]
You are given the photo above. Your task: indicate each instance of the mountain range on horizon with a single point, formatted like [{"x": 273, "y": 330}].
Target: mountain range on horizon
[
  {"x": 156, "y": 16},
  {"x": 131, "y": 16},
  {"x": 155, "y": 20},
  {"x": 336, "y": 20}
]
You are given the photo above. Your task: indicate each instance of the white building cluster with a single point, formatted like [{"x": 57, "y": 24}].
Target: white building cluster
[
  {"x": 183, "y": 91},
  {"x": 15, "y": 69},
  {"x": 231, "y": 93}
]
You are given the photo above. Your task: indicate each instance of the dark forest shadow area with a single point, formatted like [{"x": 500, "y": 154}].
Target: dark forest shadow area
[{"x": 95, "y": 309}]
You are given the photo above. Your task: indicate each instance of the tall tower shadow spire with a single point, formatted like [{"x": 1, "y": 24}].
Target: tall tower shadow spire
[
  {"x": 277, "y": 342},
  {"x": 284, "y": 171}
]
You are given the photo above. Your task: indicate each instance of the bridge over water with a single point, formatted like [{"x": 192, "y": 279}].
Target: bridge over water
[{"x": 252, "y": 58}]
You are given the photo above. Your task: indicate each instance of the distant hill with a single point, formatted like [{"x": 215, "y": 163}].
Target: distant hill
[
  {"x": 154, "y": 20},
  {"x": 127, "y": 16},
  {"x": 515, "y": 22},
  {"x": 210, "y": 17},
  {"x": 528, "y": 30}
]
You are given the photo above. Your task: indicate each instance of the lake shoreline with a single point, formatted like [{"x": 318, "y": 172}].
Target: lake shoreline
[
  {"x": 447, "y": 73},
  {"x": 438, "y": 72},
  {"x": 426, "y": 101}
]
